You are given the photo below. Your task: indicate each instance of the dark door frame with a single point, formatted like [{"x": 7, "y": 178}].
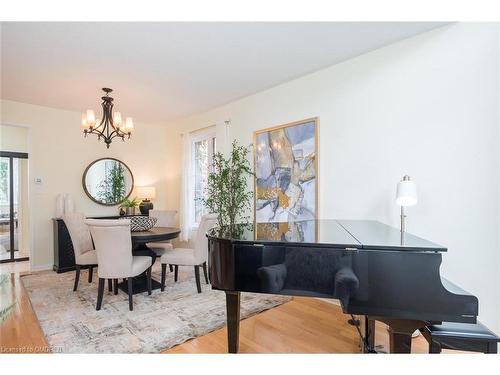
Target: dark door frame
[{"x": 12, "y": 156}]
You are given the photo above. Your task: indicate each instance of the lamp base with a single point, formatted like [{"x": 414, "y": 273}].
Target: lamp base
[{"x": 145, "y": 206}]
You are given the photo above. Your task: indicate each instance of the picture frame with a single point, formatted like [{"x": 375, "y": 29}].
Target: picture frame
[{"x": 286, "y": 173}]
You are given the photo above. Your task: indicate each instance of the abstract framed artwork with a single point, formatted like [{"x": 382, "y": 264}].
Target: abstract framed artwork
[{"x": 286, "y": 172}]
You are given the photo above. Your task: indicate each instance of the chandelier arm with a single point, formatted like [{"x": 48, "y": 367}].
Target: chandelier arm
[
  {"x": 114, "y": 134},
  {"x": 97, "y": 132},
  {"x": 106, "y": 128}
]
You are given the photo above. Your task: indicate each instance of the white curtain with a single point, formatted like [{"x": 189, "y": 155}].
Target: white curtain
[
  {"x": 186, "y": 193},
  {"x": 222, "y": 128},
  {"x": 187, "y": 182}
]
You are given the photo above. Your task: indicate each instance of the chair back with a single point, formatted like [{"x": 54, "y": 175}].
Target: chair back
[
  {"x": 113, "y": 245},
  {"x": 165, "y": 218},
  {"x": 207, "y": 222},
  {"x": 79, "y": 233}
]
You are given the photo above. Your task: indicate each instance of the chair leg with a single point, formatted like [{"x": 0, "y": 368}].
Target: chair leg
[
  {"x": 130, "y": 294},
  {"x": 205, "y": 271},
  {"x": 163, "y": 276},
  {"x": 197, "y": 276},
  {"x": 171, "y": 268},
  {"x": 77, "y": 277},
  {"x": 115, "y": 286},
  {"x": 176, "y": 273},
  {"x": 91, "y": 271},
  {"x": 100, "y": 292},
  {"x": 110, "y": 285},
  {"x": 150, "y": 284}
]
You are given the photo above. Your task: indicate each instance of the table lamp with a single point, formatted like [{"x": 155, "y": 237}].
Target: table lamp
[
  {"x": 406, "y": 195},
  {"x": 146, "y": 193}
]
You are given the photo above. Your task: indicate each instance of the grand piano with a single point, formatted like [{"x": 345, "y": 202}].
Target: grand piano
[{"x": 366, "y": 265}]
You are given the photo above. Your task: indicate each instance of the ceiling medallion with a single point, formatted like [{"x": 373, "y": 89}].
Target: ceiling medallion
[{"x": 111, "y": 125}]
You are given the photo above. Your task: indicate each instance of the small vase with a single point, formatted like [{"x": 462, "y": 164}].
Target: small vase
[
  {"x": 59, "y": 206},
  {"x": 129, "y": 211},
  {"x": 69, "y": 204}
]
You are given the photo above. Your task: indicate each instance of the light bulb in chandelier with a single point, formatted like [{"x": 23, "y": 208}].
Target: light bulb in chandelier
[
  {"x": 117, "y": 120},
  {"x": 90, "y": 118},
  {"x": 129, "y": 125},
  {"x": 110, "y": 126},
  {"x": 85, "y": 125}
]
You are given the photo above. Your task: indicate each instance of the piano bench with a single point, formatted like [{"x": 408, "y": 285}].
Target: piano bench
[{"x": 460, "y": 336}]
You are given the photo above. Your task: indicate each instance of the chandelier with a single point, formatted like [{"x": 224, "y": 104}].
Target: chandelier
[{"x": 111, "y": 125}]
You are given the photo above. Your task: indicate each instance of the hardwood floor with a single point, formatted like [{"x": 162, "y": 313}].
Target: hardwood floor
[
  {"x": 20, "y": 333},
  {"x": 304, "y": 325},
  {"x": 15, "y": 267}
]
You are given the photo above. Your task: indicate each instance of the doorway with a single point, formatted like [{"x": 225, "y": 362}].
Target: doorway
[{"x": 14, "y": 231}]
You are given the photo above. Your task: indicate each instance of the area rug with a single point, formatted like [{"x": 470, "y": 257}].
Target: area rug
[{"x": 71, "y": 323}]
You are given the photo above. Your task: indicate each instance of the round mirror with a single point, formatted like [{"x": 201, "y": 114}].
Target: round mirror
[{"x": 108, "y": 181}]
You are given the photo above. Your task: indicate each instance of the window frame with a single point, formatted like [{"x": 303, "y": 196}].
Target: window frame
[{"x": 198, "y": 136}]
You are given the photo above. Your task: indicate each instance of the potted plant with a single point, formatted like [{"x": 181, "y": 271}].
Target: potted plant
[
  {"x": 130, "y": 205},
  {"x": 227, "y": 192}
]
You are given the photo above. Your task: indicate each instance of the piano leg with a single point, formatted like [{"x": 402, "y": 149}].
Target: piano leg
[
  {"x": 370, "y": 333},
  {"x": 233, "y": 320}
]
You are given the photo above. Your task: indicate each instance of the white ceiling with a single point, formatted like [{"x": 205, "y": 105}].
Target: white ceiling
[{"x": 160, "y": 71}]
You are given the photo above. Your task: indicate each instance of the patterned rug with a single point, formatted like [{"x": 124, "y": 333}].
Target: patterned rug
[{"x": 165, "y": 319}]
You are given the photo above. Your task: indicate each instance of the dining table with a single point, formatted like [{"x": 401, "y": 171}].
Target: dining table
[{"x": 142, "y": 246}]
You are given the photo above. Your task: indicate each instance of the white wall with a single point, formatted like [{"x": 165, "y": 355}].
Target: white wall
[
  {"x": 59, "y": 154},
  {"x": 13, "y": 138},
  {"x": 427, "y": 107}
]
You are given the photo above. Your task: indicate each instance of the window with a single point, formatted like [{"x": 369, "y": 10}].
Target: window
[
  {"x": 203, "y": 147},
  {"x": 4, "y": 180}
]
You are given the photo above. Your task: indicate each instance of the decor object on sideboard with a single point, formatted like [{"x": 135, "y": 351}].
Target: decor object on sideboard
[
  {"x": 406, "y": 195},
  {"x": 59, "y": 206},
  {"x": 286, "y": 172},
  {"x": 146, "y": 193},
  {"x": 110, "y": 126},
  {"x": 108, "y": 181},
  {"x": 130, "y": 205},
  {"x": 64, "y": 205},
  {"x": 226, "y": 193},
  {"x": 140, "y": 223},
  {"x": 69, "y": 204}
]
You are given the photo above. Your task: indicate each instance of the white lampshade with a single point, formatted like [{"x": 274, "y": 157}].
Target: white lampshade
[
  {"x": 129, "y": 125},
  {"x": 146, "y": 192},
  {"x": 406, "y": 193},
  {"x": 90, "y": 117},
  {"x": 85, "y": 124},
  {"x": 117, "y": 119}
]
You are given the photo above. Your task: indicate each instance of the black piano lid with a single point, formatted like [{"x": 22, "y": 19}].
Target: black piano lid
[
  {"x": 375, "y": 235},
  {"x": 355, "y": 234}
]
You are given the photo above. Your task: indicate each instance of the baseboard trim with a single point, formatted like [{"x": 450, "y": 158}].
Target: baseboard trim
[{"x": 42, "y": 267}]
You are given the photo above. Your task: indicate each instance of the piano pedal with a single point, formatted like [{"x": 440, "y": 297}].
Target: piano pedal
[{"x": 354, "y": 322}]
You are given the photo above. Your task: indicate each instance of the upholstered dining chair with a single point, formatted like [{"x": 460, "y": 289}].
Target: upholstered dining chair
[
  {"x": 85, "y": 254},
  {"x": 196, "y": 257},
  {"x": 165, "y": 218},
  {"x": 113, "y": 245}
]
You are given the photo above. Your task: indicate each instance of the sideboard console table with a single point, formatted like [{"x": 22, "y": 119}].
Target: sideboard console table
[{"x": 64, "y": 254}]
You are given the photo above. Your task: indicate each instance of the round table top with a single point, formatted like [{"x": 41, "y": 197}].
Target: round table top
[{"x": 155, "y": 234}]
